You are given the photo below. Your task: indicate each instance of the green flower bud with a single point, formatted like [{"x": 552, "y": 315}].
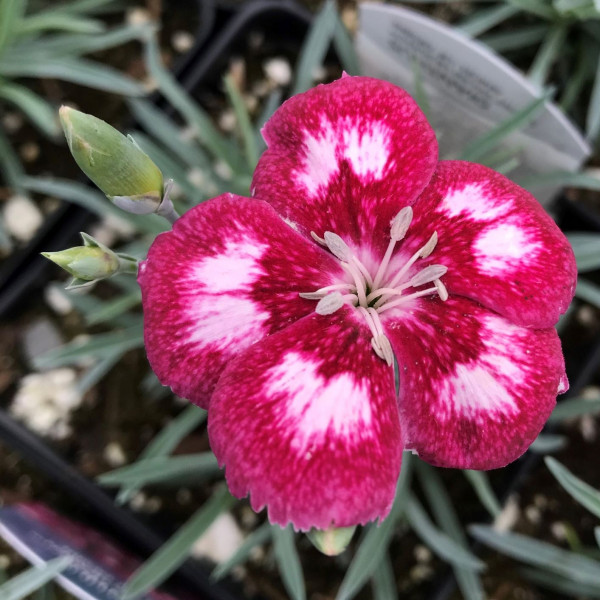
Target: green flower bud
[
  {"x": 331, "y": 541},
  {"x": 113, "y": 162},
  {"x": 91, "y": 262}
]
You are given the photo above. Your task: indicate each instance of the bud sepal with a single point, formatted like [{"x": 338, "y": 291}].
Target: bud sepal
[
  {"x": 91, "y": 262},
  {"x": 333, "y": 541}
]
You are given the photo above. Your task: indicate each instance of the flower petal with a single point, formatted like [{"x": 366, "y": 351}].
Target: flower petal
[
  {"x": 306, "y": 422},
  {"x": 228, "y": 274},
  {"x": 475, "y": 390},
  {"x": 345, "y": 157},
  {"x": 500, "y": 246}
]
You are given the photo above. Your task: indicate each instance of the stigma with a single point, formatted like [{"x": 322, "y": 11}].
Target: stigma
[{"x": 372, "y": 294}]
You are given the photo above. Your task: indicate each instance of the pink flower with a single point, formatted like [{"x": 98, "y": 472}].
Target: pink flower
[{"x": 281, "y": 314}]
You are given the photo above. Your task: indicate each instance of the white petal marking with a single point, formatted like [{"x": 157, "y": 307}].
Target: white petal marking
[
  {"x": 315, "y": 405},
  {"x": 503, "y": 248},
  {"x": 472, "y": 201},
  {"x": 367, "y": 148},
  {"x": 235, "y": 269},
  {"x": 320, "y": 159}
]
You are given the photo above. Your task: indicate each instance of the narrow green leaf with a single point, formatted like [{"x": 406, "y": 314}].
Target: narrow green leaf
[
  {"x": 588, "y": 291},
  {"x": 540, "y": 554},
  {"x": 439, "y": 542},
  {"x": 76, "y": 44},
  {"x": 344, "y": 47},
  {"x": 584, "y": 493},
  {"x": 94, "y": 374},
  {"x": 167, "y": 440},
  {"x": 584, "y": 69},
  {"x": 420, "y": 93},
  {"x": 546, "y": 443},
  {"x": 163, "y": 470},
  {"x": 549, "y": 51},
  {"x": 383, "y": 581},
  {"x": 40, "y": 113},
  {"x": 114, "y": 308},
  {"x": 25, "y": 583},
  {"x": 492, "y": 138},
  {"x": 539, "y": 8},
  {"x": 575, "y": 407},
  {"x": 37, "y": 24},
  {"x": 168, "y": 133},
  {"x": 441, "y": 505},
  {"x": 485, "y": 19},
  {"x": 592, "y": 121},
  {"x": 584, "y": 181},
  {"x": 258, "y": 537},
  {"x": 516, "y": 38},
  {"x": 92, "y": 200},
  {"x": 243, "y": 121},
  {"x": 481, "y": 484},
  {"x": 11, "y": 13},
  {"x": 557, "y": 583},
  {"x": 12, "y": 171},
  {"x": 76, "y": 70},
  {"x": 175, "y": 551},
  {"x": 373, "y": 546},
  {"x": 586, "y": 247},
  {"x": 288, "y": 562},
  {"x": 315, "y": 46},
  {"x": 203, "y": 126},
  {"x": 83, "y": 6},
  {"x": 271, "y": 105},
  {"x": 96, "y": 346},
  {"x": 597, "y": 535}
]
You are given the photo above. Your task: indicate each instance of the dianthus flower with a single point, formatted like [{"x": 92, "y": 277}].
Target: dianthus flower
[{"x": 282, "y": 314}]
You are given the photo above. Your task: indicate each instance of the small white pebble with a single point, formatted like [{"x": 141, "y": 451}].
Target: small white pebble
[
  {"x": 540, "y": 501},
  {"x": 29, "y": 151},
  {"x": 4, "y": 562},
  {"x": 220, "y": 541},
  {"x": 22, "y": 218},
  {"x": 319, "y": 73},
  {"x": 182, "y": 41},
  {"x": 114, "y": 454},
  {"x": 420, "y": 572},
  {"x": 533, "y": 514},
  {"x": 138, "y": 16},
  {"x": 197, "y": 177},
  {"x": 509, "y": 515},
  {"x": 588, "y": 428},
  {"x": 586, "y": 315},
  {"x": 559, "y": 531},
  {"x": 57, "y": 300},
  {"x": 278, "y": 70},
  {"x": 12, "y": 122},
  {"x": 227, "y": 120},
  {"x": 44, "y": 402},
  {"x": 591, "y": 392},
  {"x": 138, "y": 501},
  {"x": 223, "y": 170},
  {"x": 422, "y": 553}
]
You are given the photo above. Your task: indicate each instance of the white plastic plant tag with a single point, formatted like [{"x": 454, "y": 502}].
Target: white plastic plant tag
[{"x": 469, "y": 90}]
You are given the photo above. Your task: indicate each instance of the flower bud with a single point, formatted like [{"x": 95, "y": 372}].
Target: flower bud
[
  {"x": 113, "y": 162},
  {"x": 331, "y": 541},
  {"x": 90, "y": 262}
]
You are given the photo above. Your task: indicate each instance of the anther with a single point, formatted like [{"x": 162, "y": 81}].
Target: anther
[
  {"x": 427, "y": 275},
  {"x": 400, "y": 223},
  {"x": 428, "y": 248},
  {"x": 329, "y": 304},
  {"x": 441, "y": 290},
  {"x": 337, "y": 246},
  {"x": 317, "y": 239}
]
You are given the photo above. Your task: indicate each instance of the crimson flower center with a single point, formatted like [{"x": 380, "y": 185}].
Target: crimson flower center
[{"x": 372, "y": 294}]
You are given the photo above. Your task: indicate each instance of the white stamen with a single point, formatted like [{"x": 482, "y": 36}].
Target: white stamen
[
  {"x": 317, "y": 238},
  {"x": 329, "y": 304},
  {"x": 428, "y": 248},
  {"x": 332, "y": 297},
  {"x": 441, "y": 290},
  {"x": 318, "y": 294},
  {"x": 427, "y": 275},
  {"x": 337, "y": 246},
  {"x": 400, "y": 223}
]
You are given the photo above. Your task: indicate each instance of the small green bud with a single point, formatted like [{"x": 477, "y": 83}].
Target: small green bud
[
  {"x": 91, "y": 262},
  {"x": 113, "y": 162},
  {"x": 331, "y": 541}
]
